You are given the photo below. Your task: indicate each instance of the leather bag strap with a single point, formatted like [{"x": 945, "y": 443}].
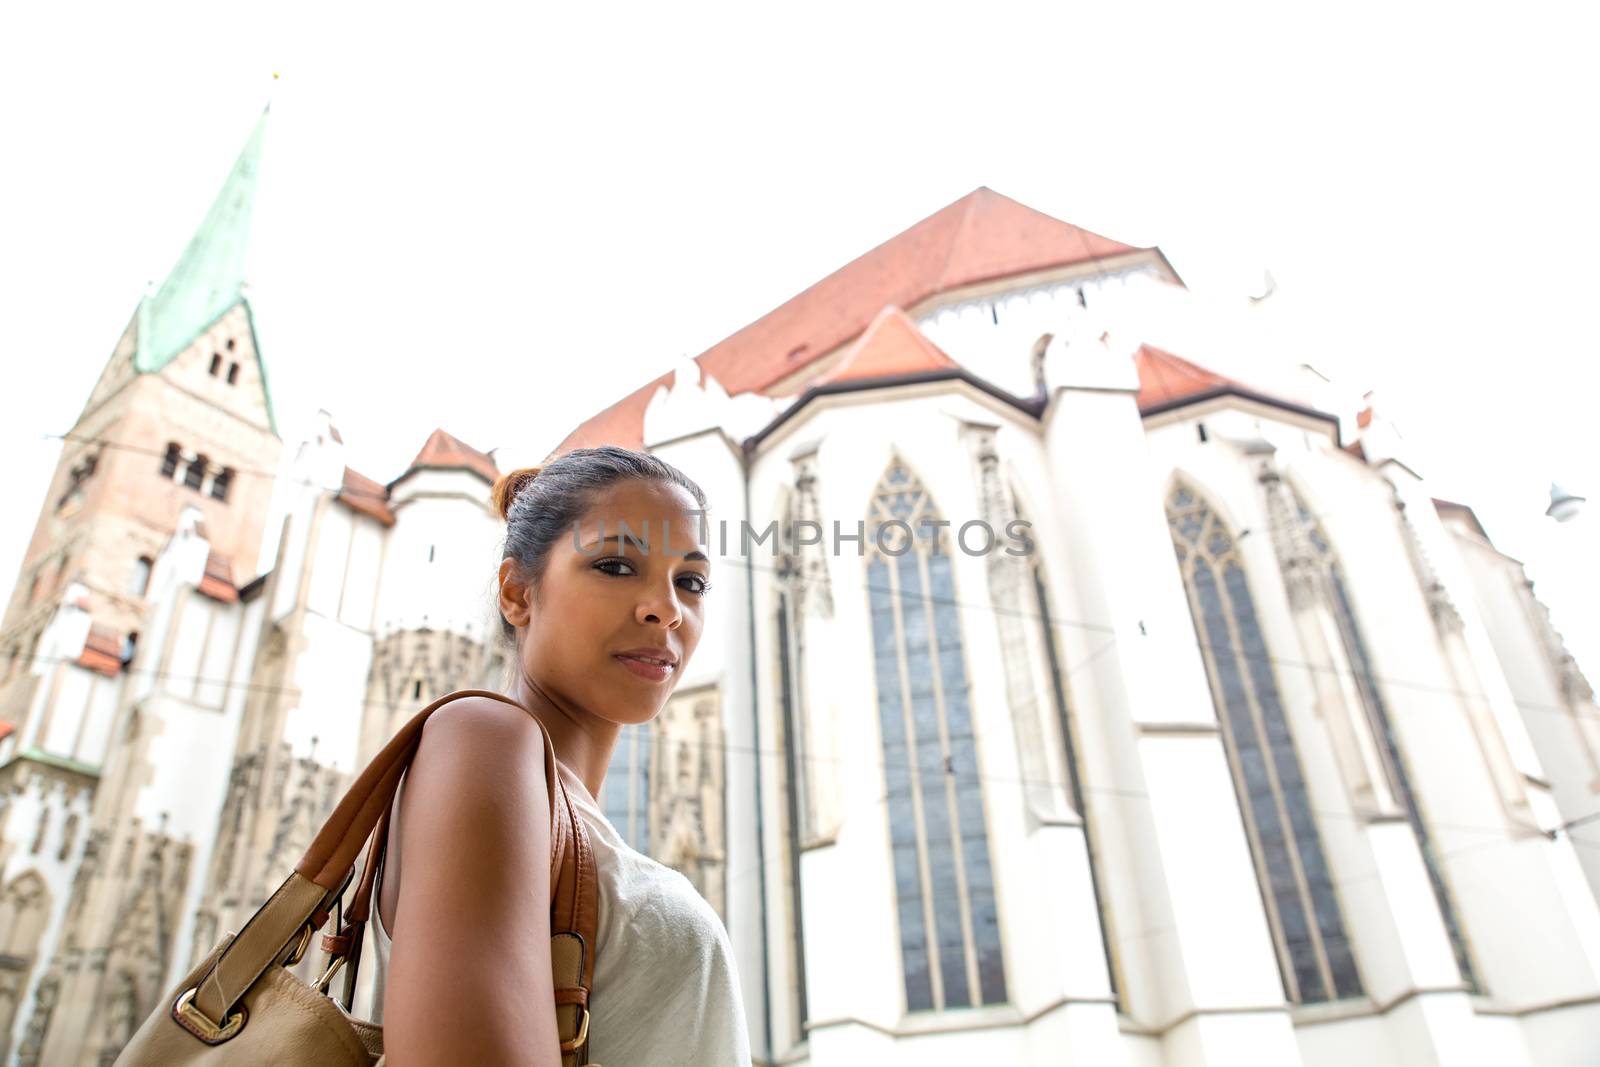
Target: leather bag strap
[{"x": 310, "y": 892}]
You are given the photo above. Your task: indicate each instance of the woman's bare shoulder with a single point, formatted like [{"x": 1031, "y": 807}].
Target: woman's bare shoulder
[
  {"x": 477, "y": 752},
  {"x": 471, "y": 952}
]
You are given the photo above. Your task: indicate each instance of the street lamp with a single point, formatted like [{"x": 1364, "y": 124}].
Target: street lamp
[{"x": 1564, "y": 506}]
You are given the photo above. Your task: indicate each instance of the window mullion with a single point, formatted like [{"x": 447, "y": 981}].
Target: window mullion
[
  {"x": 1269, "y": 759},
  {"x": 929, "y": 920},
  {"x": 935, "y": 668}
]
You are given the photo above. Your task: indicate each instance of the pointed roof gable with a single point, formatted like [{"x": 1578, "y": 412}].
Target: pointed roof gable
[
  {"x": 981, "y": 237},
  {"x": 450, "y": 453},
  {"x": 1166, "y": 379},
  {"x": 217, "y": 581},
  {"x": 208, "y": 278},
  {"x": 891, "y": 346},
  {"x": 102, "y": 651},
  {"x": 360, "y": 493}
]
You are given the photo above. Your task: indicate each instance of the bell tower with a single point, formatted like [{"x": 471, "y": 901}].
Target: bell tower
[
  {"x": 181, "y": 415},
  {"x": 178, "y": 432}
]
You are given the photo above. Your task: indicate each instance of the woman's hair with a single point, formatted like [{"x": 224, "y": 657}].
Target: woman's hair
[{"x": 541, "y": 503}]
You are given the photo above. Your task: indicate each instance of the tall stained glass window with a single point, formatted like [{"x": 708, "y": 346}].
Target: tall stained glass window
[
  {"x": 1314, "y": 954},
  {"x": 1377, "y": 713},
  {"x": 944, "y": 884},
  {"x": 625, "y": 793}
]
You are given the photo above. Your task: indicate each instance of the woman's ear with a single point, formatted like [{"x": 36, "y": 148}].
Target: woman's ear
[{"x": 514, "y": 594}]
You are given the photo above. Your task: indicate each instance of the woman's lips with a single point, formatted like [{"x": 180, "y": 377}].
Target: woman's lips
[{"x": 655, "y": 672}]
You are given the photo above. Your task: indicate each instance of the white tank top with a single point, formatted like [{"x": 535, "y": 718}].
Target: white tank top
[{"x": 666, "y": 988}]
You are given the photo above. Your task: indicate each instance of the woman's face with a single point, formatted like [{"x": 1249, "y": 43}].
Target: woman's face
[{"x": 638, "y": 591}]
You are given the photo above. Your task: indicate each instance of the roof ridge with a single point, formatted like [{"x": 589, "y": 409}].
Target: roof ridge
[{"x": 961, "y": 228}]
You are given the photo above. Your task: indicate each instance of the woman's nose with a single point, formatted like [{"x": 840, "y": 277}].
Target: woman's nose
[{"x": 661, "y": 608}]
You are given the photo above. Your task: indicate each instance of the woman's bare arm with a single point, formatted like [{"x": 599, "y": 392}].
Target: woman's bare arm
[{"x": 469, "y": 978}]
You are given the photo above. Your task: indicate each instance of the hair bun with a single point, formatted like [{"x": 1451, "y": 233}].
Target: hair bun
[{"x": 510, "y": 484}]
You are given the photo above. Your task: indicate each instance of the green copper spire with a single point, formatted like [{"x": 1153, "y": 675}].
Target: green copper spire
[{"x": 208, "y": 278}]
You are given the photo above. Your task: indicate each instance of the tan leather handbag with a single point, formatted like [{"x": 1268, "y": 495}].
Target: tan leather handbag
[{"x": 242, "y": 1007}]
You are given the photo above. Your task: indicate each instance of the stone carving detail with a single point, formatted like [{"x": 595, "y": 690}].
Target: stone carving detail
[
  {"x": 686, "y": 818},
  {"x": 44, "y": 1002},
  {"x": 1297, "y": 557},
  {"x": 1440, "y": 606},
  {"x": 804, "y": 567},
  {"x": 1010, "y": 587},
  {"x": 1575, "y": 688}
]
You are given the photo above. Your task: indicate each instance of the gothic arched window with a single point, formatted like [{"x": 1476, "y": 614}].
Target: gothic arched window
[
  {"x": 944, "y": 885},
  {"x": 1314, "y": 953},
  {"x": 1366, "y": 683},
  {"x": 625, "y": 793}
]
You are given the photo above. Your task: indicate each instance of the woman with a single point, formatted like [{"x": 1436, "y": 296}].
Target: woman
[{"x": 467, "y": 976}]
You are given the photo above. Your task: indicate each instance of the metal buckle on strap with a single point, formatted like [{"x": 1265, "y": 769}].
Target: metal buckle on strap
[
  {"x": 204, "y": 1028},
  {"x": 300, "y": 949},
  {"x": 583, "y": 1032}
]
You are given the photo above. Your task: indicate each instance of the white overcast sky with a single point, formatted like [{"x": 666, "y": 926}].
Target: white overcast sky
[{"x": 498, "y": 220}]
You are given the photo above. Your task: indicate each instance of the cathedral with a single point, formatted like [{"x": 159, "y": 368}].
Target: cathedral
[{"x": 1257, "y": 753}]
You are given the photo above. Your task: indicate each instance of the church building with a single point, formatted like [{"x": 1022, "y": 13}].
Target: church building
[{"x": 1063, "y": 700}]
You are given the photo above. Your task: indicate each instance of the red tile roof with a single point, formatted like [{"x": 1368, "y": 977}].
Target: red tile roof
[
  {"x": 1165, "y": 378},
  {"x": 362, "y": 494},
  {"x": 620, "y": 424},
  {"x": 443, "y": 450},
  {"x": 217, "y": 582},
  {"x": 982, "y": 237},
  {"x": 102, "y": 651},
  {"x": 891, "y": 345}
]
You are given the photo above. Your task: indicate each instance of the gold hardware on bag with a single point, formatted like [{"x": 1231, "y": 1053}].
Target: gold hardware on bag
[
  {"x": 210, "y": 1030},
  {"x": 239, "y": 983},
  {"x": 321, "y": 984},
  {"x": 583, "y": 1033},
  {"x": 300, "y": 949}
]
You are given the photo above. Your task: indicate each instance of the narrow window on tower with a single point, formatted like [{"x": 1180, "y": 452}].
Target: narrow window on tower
[
  {"x": 44, "y": 827},
  {"x": 430, "y": 553},
  {"x": 233, "y": 373},
  {"x": 216, "y": 363},
  {"x": 169, "y": 462},
  {"x": 221, "y": 483},
  {"x": 196, "y": 472},
  {"x": 141, "y": 575}
]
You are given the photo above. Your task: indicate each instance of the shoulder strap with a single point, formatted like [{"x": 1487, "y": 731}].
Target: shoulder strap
[
  {"x": 574, "y": 882},
  {"x": 362, "y": 815}
]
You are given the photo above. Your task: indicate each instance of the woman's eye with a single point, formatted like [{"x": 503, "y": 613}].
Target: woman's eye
[{"x": 699, "y": 585}]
